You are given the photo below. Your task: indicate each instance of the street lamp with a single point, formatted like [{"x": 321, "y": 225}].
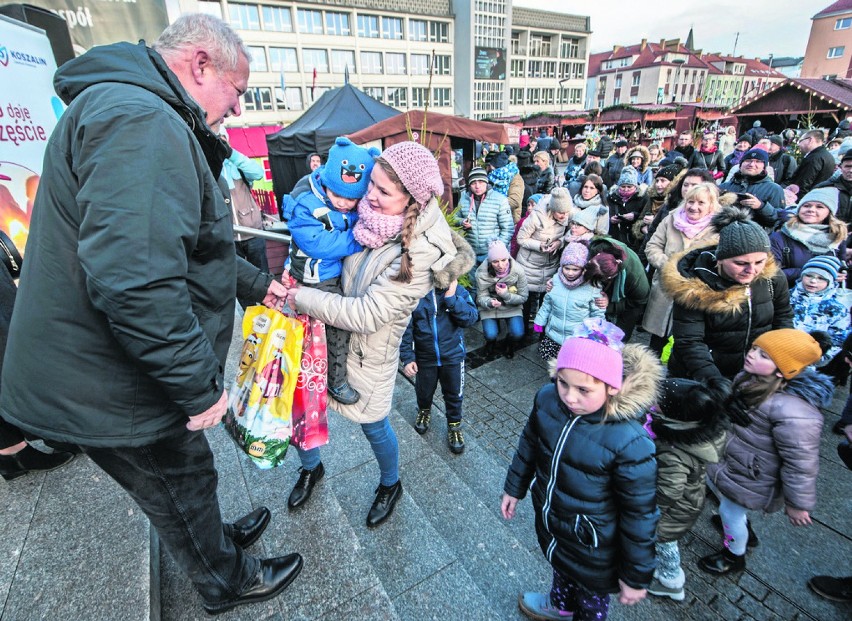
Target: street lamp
[{"x": 679, "y": 62}]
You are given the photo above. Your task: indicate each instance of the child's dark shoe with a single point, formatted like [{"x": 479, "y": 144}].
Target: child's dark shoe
[
  {"x": 539, "y": 606},
  {"x": 344, "y": 394},
  {"x": 455, "y": 439},
  {"x": 722, "y": 562},
  {"x": 421, "y": 425}
]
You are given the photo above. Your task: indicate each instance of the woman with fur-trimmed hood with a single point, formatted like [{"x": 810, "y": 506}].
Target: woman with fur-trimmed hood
[
  {"x": 640, "y": 159},
  {"x": 725, "y": 296}
]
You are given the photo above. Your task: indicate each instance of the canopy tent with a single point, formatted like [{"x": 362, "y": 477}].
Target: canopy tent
[
  {"x": 461, "y": 134},
  {"x": 813, "y": 102},
  {"x": 338, "y": 112}
]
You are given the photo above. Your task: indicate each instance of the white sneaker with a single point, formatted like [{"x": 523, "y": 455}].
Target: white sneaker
[{"x": 661, "y": 590}]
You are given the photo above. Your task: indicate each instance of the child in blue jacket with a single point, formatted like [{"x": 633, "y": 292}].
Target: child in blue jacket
[
  {"x": 321, "y": 223},
  {"x": 432, "y": 350}
]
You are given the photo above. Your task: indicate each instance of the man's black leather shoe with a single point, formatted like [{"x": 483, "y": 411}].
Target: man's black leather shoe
[
  {"x": 304, "y": 486},
  {"x": 274, "y": 576},
  {"x": 384, "y": 503},
  {"x": 249, "y": 528}
]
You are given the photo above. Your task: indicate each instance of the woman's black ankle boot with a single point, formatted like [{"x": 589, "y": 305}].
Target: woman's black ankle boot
[{"x": 30, "y": 460}]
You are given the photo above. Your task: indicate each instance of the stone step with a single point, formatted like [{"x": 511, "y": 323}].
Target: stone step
[{"x": 75, "y": 546}]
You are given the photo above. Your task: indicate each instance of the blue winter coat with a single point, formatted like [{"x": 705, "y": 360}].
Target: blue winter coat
[
  {"x": 491, "y": 220},
  {"x": 564, "y": 309},
  {"x": 321, "y": 236},
  {"x": 435, "y": 334},
  {"x": 593, "y": 483},
  {"x": 763, "y": 188}
]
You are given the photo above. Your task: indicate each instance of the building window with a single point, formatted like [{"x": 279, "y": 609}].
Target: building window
[
  {"x": 836, "y": 52},
  {"x": 337, "y": 24},
  {"x": 417, "y": 30},
  {"x": 394, "y": 63},
  {"x": 516, "y": 97},
  {"x": 843, "y": 23},
  {"x": 439, "y": 32},
  {"x": 315, "y": 59},
  {"x": 419, "y": 97},
  {"x": 376, "y": 92},
  {"x": 368, "y": 26},
  {"x": 550, "y": 69},
  {"x": 258, "y": 99},
  {"x": 637, "y": 75},
  {"x": 534, "y": 69},
  {"x": 371, "y": 62},
  {"x": 515, "y": 43},
  {"x": 540, "y": 45},
  {"x": 517, "y": 68},
  {"x": 210, "y": 8},
  {"x": 277, "y": 18},
  {"x": 533, "y": 96},
  {"x": 441, "y": 97},
  {"x": 398, "y": 97},
  {"x": 391, "y": 28},
  {"x": 569, "y": 48},
  {"x": 290, "y": 99},
  {"x": 616, "y": 100},
  {"x": 258, "y": 58},
  {"x": 283, "y": 59},
  {"x": 310, "y": 21},
  {"x": 419, "y": 64},
  {"x": 442, "y": 65},
  {"x": 340, "y": 59},
  {"x": 618, "y": 81},
  {"x": 547, "y": 96},
  {"x": 244, "y": 16},
  {"x": 578, "y": 71}
]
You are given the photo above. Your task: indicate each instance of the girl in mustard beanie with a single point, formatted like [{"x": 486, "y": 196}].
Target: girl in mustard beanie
[{"x": 772, "y": 455}]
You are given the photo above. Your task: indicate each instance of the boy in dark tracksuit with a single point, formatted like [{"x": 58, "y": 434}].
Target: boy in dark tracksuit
[{"x": 432, "y": 349}]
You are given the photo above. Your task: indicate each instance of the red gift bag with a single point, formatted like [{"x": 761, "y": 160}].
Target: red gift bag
[{"x": 310, "y": 401}]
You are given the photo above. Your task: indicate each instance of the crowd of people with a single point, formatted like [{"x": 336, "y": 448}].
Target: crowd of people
[{"x": 734, "y": 263}]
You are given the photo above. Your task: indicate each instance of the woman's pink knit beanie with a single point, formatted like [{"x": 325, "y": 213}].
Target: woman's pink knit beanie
[{"x": 417, "y": 168}]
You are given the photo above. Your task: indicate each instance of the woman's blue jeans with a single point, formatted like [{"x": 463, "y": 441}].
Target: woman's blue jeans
[
  {"x": 515, "y": 325},
  {"x": 382, "y": 439}
]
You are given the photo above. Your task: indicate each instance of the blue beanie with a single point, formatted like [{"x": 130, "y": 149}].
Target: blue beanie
[
  {"x": 347, "y": 171},
  {"x": 756, "y": 154},
  {"x": 825, "y": 266}
]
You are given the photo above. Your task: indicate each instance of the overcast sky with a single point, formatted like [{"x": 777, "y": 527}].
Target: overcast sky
[{"x": 778, "y": 27}]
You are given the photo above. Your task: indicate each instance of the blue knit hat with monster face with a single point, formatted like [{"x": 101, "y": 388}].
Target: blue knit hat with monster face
[{"x": 347, "y": 171}]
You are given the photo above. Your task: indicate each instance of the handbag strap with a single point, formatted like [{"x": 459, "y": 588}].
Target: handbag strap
[{"x": 11, "y": 257}]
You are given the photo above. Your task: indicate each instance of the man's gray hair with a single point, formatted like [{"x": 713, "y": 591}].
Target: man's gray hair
[{"x": 223, "y": 44}]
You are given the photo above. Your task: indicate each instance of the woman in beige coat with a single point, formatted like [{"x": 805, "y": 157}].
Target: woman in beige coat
[
  {"x": 408, "y": 250},
  {"x": 687, "y": 225},
  {"x": 540, "y": 242}
]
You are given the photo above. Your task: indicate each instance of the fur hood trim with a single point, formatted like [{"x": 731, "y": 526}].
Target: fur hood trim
[
  {"x": 812, "y": 386},
  {"x": 643, "y": 153},
  {"x": 688, "y": 290},
  {"x": 641, "y": 190},
  {"x": 640, "y": 388},
  {"x": 460, "y": 265}
]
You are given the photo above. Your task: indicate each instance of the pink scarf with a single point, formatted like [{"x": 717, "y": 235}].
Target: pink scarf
[
  {"x": 687, "y": 227},
  {"x": 374, "y": 229},
  {"x": 572, "y": 284},
  {"x": 626, "y": 194},
  {"x": 505, "y": 272}
]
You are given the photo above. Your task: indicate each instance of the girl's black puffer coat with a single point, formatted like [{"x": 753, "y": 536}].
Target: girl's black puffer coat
[
  {"x": 715, "y": 320},
  {"x": 593, "y": 481}
]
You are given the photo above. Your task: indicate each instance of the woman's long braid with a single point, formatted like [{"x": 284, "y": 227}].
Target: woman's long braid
[{"x": 411, "y": 214}]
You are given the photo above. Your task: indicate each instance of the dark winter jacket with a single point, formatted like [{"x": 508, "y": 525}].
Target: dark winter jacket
[
  {"x": 612, "y": 169},
  {"x": 783, "y": 166},
  {"x": 684, "y": 448},
  {"x": 791, "y": 254},
  {"x": 125, "y": 308},
  {"x": 715, "y": 319},
  {"x": 818, "y": 166},
  {"x": 765, "y": 190},
  {"x": 604, "y": 146},
  {"x": 844, "y": 191},
  {"x": 545, "y": 182},
  {"x": 690, "y": 154},
  {"x": 435, "y": 333},
  {"x": 593, "y": 481},
  {"x": 628, "y": 292},
  {"x": 775, "y": 460},
  {"x": 622, "y": 229},
  {"x": 713, "y": 161}
]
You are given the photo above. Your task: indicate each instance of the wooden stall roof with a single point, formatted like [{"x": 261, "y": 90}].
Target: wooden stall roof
[{"x": 800, "y": 96}]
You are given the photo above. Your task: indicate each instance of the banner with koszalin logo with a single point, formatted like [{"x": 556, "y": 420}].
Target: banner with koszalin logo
[
  {"x": 99, "y": 22},
  {"x": 29, "y": 110}
]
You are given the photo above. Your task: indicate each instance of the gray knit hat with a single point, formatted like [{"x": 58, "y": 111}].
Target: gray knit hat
[
  {"x": 628, "y": 176},
  {"x": 589, "y": 217},
  {"x": 738, "y": 234},
  {"x": 560, "y": 201}
]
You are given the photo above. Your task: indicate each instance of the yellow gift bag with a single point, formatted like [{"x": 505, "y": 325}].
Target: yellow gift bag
[{"x": 261, "y": 398}]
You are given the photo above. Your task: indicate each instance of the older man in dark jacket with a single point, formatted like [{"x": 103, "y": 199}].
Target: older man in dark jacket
[
  {"x": 756, "y": 190},
  {"x": 818, "y": 165},
  {"x": 131, "y": 270}
]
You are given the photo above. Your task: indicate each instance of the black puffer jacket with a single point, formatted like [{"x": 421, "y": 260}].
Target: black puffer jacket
[
  {"x": 593, "y": 482},
  {"x": 715, "y": 319}
]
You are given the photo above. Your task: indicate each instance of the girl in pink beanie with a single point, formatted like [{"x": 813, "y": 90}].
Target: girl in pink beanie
[{"x": 590, "y": 469}]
